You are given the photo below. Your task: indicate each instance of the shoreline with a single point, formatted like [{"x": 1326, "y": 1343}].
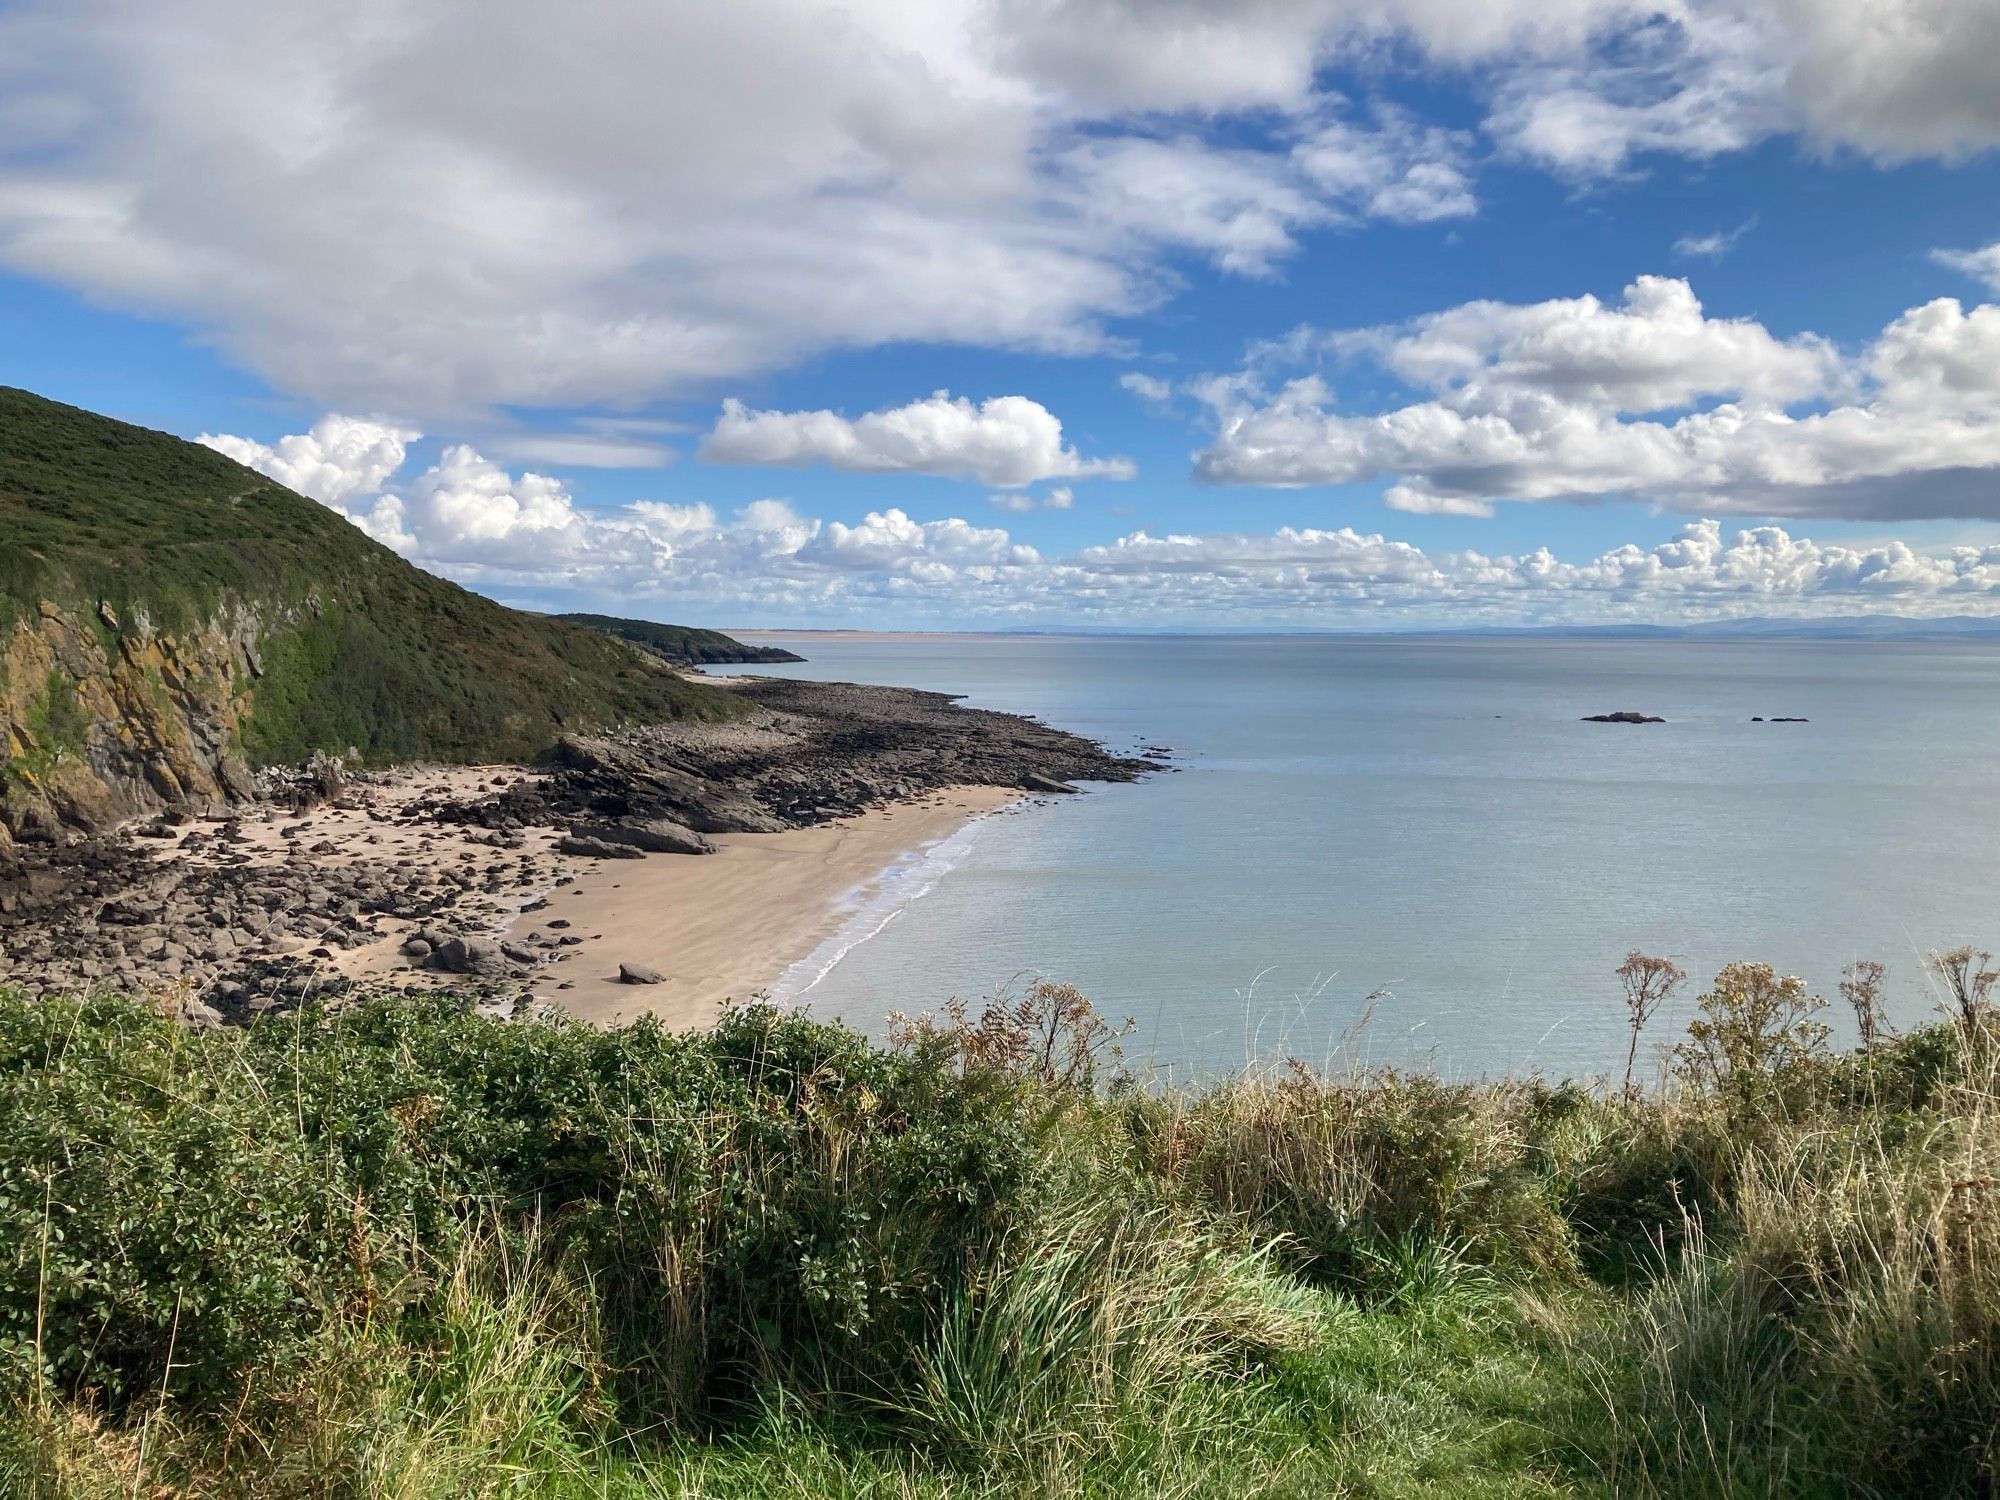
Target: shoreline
[
  {"x": 730, "y": 925},
  {"x": 715, "y": 854},
  {"x": 719, "y": 927}
]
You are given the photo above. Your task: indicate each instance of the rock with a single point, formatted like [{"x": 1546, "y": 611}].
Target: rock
[
  {"x": 462, "y": 955},
  {"x": 415, "y": 947},
  {"x": 639, "y": 974},
  {"x": 198, "y": 1015},
  {"x": 590, "y": 848},
  {"x": 1035, "y": 781},
  {"x": 1626, "y": 717},
  {"x": 519, "y": 954},
  {"x": 282, "y": 942},
  {"x": 654, "y": 835}
]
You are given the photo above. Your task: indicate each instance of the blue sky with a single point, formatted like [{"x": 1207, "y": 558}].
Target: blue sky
[{"x": 1284, "y": 313}]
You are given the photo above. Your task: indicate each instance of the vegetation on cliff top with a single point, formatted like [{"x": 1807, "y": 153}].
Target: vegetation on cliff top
[
  {"x": 682, "y": 644},
  {"x": 406, "y": 1250},
  {"x": 358, "y": 647}
]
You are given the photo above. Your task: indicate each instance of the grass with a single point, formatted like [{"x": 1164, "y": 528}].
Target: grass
[
  {"x": 681, "y": 644},
  {"x": 357, "y": 647},
  {"x": 408, "y": 1251}
]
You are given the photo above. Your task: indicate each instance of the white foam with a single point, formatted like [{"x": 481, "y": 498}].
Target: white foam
[{"x": 872, "y": 906}]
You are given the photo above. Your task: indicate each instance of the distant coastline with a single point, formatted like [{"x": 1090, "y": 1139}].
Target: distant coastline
[{"x": 1885, "y": 628}]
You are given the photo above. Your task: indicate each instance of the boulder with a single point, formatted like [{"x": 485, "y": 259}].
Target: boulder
[
  {"x": 462, "y": 955},
  {"x": 1035, "y": 781},
  {"x": 639, "y": 974},
  {"x": 590, "y": 848},
  {"x": 654, "y": 835}
]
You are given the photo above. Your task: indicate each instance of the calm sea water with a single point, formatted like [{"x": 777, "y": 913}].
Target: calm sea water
[{"x": 1426, "y": 821}]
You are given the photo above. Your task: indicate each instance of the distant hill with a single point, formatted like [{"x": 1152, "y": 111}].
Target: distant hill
[
  {"x": 170, "y": 619},
  {"x": 682, "y": 644}
]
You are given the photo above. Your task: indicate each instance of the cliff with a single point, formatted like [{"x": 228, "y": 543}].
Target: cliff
[{"x": 170, "y": 621}]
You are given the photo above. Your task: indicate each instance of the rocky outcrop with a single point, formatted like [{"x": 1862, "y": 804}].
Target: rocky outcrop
[
  {"x": 1626, "y": 717},
  {"x": 103, "y": 718},
  {"x": 810, "y": 753},
  {"x": 652, "y": 835}
]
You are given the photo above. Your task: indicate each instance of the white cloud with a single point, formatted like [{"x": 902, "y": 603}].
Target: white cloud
[
  {"x": 1715, "y": 244},
  {"x": 1146, "y": 387},
  {"x": 468, "y": 518},
  {"x": 1398, "y": 170},
  {"x": 1657, "y": 349},
  {"x": 1062, "y": 497},
  {"x": 339, "y": 457},
  {"x": 1567, "y": 400},
  {"x": 1981, "y": 265},
  {"x": 1006, "y": 441},
  {"x": 439, "y": 206},
  {"x": 582, "y": 450},
  {"x": 1692, "y": 79},
  {"x": 469, "y": 508}
]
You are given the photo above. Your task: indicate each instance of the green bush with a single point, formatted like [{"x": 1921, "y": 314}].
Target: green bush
[
  {"x": 408, "y": 1249},
  {"x": 772, "y": 1198}
]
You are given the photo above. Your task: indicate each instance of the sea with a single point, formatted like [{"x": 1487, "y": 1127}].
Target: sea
[{"x": 1414, "y": 852}]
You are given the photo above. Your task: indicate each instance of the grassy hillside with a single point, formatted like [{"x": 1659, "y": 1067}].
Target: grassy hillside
[
  {"x": 682, "y": 643},
  {"x": 360, "y": 648},
  {"x": 408, "y": 1251}
]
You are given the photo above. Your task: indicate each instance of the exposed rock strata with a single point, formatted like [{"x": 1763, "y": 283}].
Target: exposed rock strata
[{"x": 103, "y": 719}]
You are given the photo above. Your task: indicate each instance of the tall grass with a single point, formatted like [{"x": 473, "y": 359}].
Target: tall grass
[
  {"x": 1840, "y": 1333},
  {"x": 408, "y": 1251}
]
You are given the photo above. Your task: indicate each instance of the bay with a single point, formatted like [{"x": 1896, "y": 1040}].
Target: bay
[{"x": 1411, "y": 851}]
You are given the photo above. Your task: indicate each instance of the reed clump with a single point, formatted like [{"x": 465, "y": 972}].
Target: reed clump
[{"x": 405, "y": 1250}]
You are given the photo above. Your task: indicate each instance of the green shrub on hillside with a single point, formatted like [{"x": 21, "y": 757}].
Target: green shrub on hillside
[{"x": 358, "y": 647}]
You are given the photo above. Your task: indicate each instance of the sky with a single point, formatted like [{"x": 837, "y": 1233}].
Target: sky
[{"x": 1039, "y": 314}]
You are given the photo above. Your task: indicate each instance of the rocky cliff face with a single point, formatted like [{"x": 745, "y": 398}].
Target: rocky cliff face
[{"x": 103, "y": 718}]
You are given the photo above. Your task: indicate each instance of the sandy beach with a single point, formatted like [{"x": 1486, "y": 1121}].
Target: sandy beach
[
  {"x": 718, "y": 927},
  {"x": 525, "y": 885},
  {"x": 727, "y": 925}
]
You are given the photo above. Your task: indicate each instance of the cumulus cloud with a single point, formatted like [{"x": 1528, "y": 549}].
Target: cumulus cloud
[
  {"x": 1006, "y": 441},
  {"x": 1572, "y": 399},
  {"x": 339, "y": 456},
  {"x": 439, "y": 206},
  {"x": 1146, "y": 387},
  {"x": 525, "y": 535}
]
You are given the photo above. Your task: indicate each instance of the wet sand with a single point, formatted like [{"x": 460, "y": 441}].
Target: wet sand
[{"x": 728, "y": 925}]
